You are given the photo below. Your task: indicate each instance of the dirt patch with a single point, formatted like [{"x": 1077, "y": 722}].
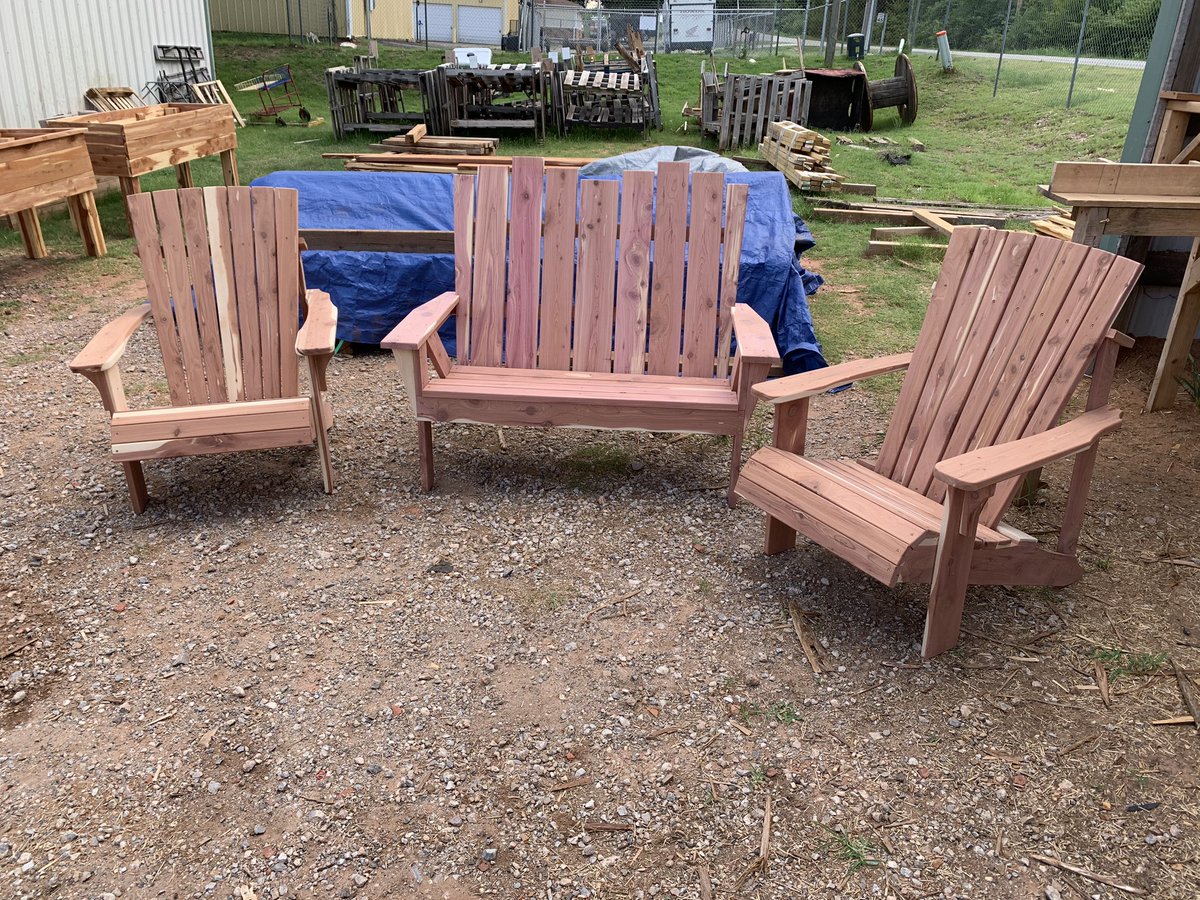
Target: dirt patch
[{"x": 568, "y": 671}]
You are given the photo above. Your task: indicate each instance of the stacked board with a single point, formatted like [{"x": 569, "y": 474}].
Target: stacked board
[{"x": 802, "y": 155}]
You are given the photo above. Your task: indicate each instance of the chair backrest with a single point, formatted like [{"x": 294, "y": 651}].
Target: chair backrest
[
  {"x": 222, "y": 270},
  {"x": 1012, "y": 324},
  {"x": 580, "y": 292}
]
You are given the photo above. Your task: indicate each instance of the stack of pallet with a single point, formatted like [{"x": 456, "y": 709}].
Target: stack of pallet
[
  {"x": 802, "y": 155},
  {"x": 417, "y": 140}
]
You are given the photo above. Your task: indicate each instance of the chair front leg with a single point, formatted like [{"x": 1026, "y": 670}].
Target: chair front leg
[
  {"x": 321, "y": 415},
  {"x": 790, "y": 433},
  {"x": 952, "y": 568}
]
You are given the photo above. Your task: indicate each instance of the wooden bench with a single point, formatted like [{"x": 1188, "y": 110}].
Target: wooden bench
[{"x": 578, "y": 329}]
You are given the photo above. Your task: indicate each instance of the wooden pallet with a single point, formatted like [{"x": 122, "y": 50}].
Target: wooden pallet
[
  {"x": 375, "y": 100},
  {"x": 107, "y": 99},
  {"x": 214, "y": 93},
  {"x": 738, "y": 110}
]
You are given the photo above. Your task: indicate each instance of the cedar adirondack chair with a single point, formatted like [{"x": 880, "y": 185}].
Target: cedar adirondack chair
[
  {"x": 1012, "y": 325},
  {"x": 222, "y": 269},
  {"x": 580, "y": 333}
]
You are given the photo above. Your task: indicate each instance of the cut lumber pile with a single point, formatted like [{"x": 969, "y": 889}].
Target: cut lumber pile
[
  {"x": 430, "y": 162},
  {"x": 802, "y": 155},
  {"x": 1061, "y": 226},
  {"x": 416, "y": 140}
]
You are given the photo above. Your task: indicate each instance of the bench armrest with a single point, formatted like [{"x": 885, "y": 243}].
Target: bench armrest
[
  {"x": 990, "y": 465},
  {"x": 755, "y": 343},
  {"x": 422, "y": 323},
  {"x": 809, "y": 384},
  {"x": 318, "y": 334},
  {"x": 106, "y": 348}
]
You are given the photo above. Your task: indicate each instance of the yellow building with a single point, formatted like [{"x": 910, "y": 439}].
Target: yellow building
[{"x": 463, "y": 22}]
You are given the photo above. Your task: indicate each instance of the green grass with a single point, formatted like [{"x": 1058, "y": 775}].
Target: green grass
[
  {"x": 1121, "y": 662},
  {"x": 858, "y": 852},
  {"x": 980, "y": 149}
]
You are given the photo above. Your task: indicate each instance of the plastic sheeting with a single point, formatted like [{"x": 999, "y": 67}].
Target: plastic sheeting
[
  {"x": 374, "y": 291},
  {"x": 647, "y": 160}
]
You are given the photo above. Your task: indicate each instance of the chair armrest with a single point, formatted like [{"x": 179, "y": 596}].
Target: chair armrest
[
  {"x": 105, "y": 349},
  {"x": 991, "y": 465},
  {"x": 755, "y": 343},
  {"x": 318, "y": 333},
  {"x": 1122, "y": 339},
  {"x": 419, "y": 325},
  {"x": 809, "y": 384}
]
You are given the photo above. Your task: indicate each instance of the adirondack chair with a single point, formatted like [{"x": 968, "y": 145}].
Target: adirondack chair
[
  {"x": 222, "y": 269},
  {"x": 576, "y": 332},
  {"x": 1012, "y": 325}
]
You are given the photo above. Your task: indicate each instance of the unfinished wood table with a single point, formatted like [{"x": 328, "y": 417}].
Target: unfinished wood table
[
  {"x": 1146, "y": 200},
  {"x": 45, "y": 165},
  {"x": 129, "y": 143}
]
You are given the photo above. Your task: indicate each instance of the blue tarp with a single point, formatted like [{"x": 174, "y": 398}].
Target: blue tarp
[{"x": 374, "y": 291}]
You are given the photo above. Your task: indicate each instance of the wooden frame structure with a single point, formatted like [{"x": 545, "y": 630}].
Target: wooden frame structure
[
  {"x": 377, "y": 100},
  {"x": 45, "y": 165},
  {"x": 226, "y": 288},
  {"x": 563, "y": 337},
  {"x": 1014, "y": 321},
  {"x": 485, "y": 98},
  {"x": 129, "y": 143},
  {"x": 1142, "y": 199}
]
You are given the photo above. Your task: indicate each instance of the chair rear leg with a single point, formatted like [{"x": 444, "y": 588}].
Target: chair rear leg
[
  {"x": 735, "y": 467},
  {"x": 135, "y": 479},
  {"x": 425, "y": 449},
  {"x": 780, "y": 537}
]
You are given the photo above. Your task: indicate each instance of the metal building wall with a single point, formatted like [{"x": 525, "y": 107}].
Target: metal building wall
[
  {"x": 54, "y": 50},
  {"x": 278, "y": 16}
]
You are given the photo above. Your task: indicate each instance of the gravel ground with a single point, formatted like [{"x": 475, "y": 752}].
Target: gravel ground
[{"x": 567, "y": 672}]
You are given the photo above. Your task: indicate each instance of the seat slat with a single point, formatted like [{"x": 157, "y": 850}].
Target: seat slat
[
  {"x": 595, "y": 282},
  {"x": 633, "y": 272},
  {"x": 170, "y": 228},
  {"x": 524, "y": 264},
  {"x": 602, "y": 389},
  {"x": 945, "y": 290},
  {"x": 209, "y": 419},
  {"x": 464, "y": 256},
  {"x": 736, "y": 196},
  {"x": 703, "y": 273},
  {"x": 216, "y": 211},
  {"x": 195, "y": 232},
  {"x": 208, "y": 444},
  {"x": 487, "y": 295},
  {"x": 266, "y": 267},
  {"x": 500, "y": 372},
  {"x": 145, "y": 233},
  {"x": 287, "y": 279},
  {"x": 241, "y": 230},
  {"x": 558, "y": 276},
  {"x": 666, "y": 291}
]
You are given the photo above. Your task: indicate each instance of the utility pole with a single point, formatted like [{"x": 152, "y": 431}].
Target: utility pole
[
  {"x": 831, "y": 38},
  {"x": 367, "y": 4}
]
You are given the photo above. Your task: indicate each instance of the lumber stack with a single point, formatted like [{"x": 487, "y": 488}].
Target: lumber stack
[
  {"x": 417, "y": 140},
  {"x": 1061, "y": 226},
  {"x": 427, "y": 162},
  {"x": 802, "y": 155}
]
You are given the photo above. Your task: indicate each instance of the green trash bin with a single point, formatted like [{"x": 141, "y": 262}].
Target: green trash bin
[{"x": 854, "y": 45}]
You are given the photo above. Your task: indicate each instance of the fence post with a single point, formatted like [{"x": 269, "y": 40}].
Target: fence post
[
  {"x": 914, "y": 19},
  {"x": 946, "y": 19},
  {"x": 804, "y": 38},
  {"x": 831, "y": 43},
  {"x": 1078, "y": 50},
  {"x": 1003, "y": 44},
  {"x": 825, "y": 25},
  {"x": 287, "y": 5}
]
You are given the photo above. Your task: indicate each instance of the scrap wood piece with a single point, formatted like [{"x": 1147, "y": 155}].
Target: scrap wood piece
[
  {"x": 890, "y": 248},
  {"x": 414, "y": 134},
  {"x": 706, "y": 888},
  {"x": 1176, "y": 720},
  {"x": 594, "y": 825},
  {"x": 1187, "y": 691},
  {"x": 1091, "y": 876},
  {"x": 933, "y": 220},
  {"x": 1101, "y": 676},
  {"x": 573, "y": 783},
  {"x": 812, "y": 648}
]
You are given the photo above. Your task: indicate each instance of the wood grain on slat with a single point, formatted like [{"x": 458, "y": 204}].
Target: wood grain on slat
[
  {"x": 170, "y": 228},
  {"x": 558, "y": 271},
  {"x": 703, "y": 273},
  {"x": 941, "y": 411},
  {"x": 595, "y": 281},
  {"x": 195, "y": 228},
  {"x": 464, "y": 250},
  {"x": 266, "y": 266},
  {"x": 241, "y": 232},
  {"x": 731, "y": 260},
  {"x": 633, "y": 272},
  {"x": 945, "y": 290},
  {"x": 666, "y": 292},
  {"x": 149, "y": 251},
  {"x": 220, "y": 244},
  {"x": 524, "y": 265},
  {"x": 487, "y": 300},
  {"x": 287, "y": 280}
]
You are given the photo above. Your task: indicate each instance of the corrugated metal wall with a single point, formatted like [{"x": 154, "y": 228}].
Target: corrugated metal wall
[{"x": 54, "y": 50}]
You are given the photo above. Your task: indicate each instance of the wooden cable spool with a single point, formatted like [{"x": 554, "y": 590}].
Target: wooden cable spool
[{"x": 899, "y": 91}]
